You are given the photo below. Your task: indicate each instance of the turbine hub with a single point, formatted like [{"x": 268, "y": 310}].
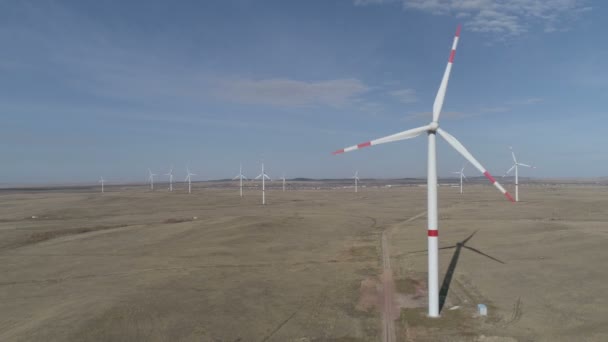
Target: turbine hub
[{"x": 433, "y": 126}]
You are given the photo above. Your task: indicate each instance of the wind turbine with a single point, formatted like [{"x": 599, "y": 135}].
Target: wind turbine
[
  {"x": 516, "y": 166},
  {"x": 283, "y": 182},
  {"x": 432, "y": 129},
  {"x": 461, "y": 173},
  {"x": 170, "y": 174},
  {"x": 151, "y": 179},
  {"x": 102, "y": 181},
  {"x": 240, "y": 177},
  {"x": 189, "y": 179},
  {"x": 264, "y": 176},
  {"x": 356, "y": 178}
]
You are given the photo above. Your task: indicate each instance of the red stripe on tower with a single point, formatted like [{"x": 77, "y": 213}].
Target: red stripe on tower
[
  {"x": 365, "y": 144},
  {"x": 433, "y": 232},
  {"x": 452, "y": 54},
  {"x": 489, "y": 177}
]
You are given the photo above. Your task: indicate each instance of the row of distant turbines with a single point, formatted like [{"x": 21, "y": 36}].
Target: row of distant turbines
[
  {"x": 263, "y": 176},
  {"x": 170, "y": 174}
]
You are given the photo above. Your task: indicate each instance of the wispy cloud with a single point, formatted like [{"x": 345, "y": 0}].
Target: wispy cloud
[
  {"x": 407, "y": 95},
  {"x": 496, "y": 109},
  {"x": 291, "y": 93},
  {"x": 507, "y": 17},
  {"x": 528, "y": 101}
]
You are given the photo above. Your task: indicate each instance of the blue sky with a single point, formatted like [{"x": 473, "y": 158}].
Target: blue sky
[{"x": 91, "y": 88}]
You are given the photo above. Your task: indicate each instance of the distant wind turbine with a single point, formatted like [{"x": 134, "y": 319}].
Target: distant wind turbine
[
  {"x": 516, "y": 168},
  {"x": 461, "y": 174},
  {"x": 170, "y": 174},
  {"x": 356, "y": 178},
  {"x": 189, "y": 179},
  {"x": 263, "y": 176},
  {"x": 101, "y": 180},
  {"x": 240, "y": 177},
  {"x": 283, "y": 182},
  {"x": 151, "y": 179}
]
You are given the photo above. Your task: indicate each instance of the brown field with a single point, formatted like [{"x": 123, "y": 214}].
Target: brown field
[{"x": 132, "y": 265}]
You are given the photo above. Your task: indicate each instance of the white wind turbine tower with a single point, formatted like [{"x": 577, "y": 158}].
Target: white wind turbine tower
[
  {"x": 189, "y": 179},
  {"x": 356, "y": 178},
  {"x": 102, "y": 181},
  {"x": 240, "y": 177},
  {"x": 264, "y": 176},
  {"x": 515, "y": 167},
  {"x": 283, "y": 182},
  {"x": 151, "y": 179},
  {"x": 431, "y": 130},
  {"x": 170, "y": 174},
  {"x": 461, "y": 174}
]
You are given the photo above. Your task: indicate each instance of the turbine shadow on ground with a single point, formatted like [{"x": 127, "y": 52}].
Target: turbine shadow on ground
[{"x": 447, "y": 280}]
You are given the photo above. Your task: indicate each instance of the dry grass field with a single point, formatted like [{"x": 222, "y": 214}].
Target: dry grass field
[{"x": 134, "y": 265}]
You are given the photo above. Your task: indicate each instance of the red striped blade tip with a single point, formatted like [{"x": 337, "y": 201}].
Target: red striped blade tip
[
  {"x": 365, "y": 144},
  {"x": 508, "y": 195},
  {"x": 452, "y": 55},
  {"x": 337, "y": 152},
  {"x": 489, "y": 177},
  {"x": 458, "y": 31}
]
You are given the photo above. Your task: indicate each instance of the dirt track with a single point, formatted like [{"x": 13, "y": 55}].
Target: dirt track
[{"x": 135, "y": 265}]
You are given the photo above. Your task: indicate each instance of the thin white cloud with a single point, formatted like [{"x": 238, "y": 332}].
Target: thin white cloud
[
  {"x": 507, "y": 17},
  {"x": 406, "y": 95},
  {"x": 528, "y": 101},
  {"x": 497, "y": 109},
  {"x": 283, "y": 92}
]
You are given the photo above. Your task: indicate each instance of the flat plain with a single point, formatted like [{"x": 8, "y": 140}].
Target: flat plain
[{"x": 136, "y": 265}]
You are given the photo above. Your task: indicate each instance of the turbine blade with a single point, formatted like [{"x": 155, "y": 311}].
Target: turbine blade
[
  {"x": 513, "y": 154},
  {"x": 526, "y": 165},
  {"x": 509, "y": 170},
  {"x": 258, "y": 177},
  {"x": 412, "y": 133},
  {"x": 237, "y": 177},
  {"x": 438, "y": 105},
  {"x": 468, "y": 156}
]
